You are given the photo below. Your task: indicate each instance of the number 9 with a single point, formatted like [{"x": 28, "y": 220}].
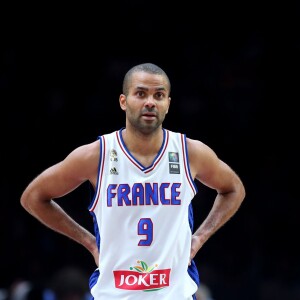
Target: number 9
[{"x": 145, "y": 227}]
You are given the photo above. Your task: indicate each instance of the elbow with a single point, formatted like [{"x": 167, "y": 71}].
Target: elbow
[
  {"x": 32, "y": 199},
  {"x": 28, "y": 199},
  {"x": 24, "y": 200},
  {"x": 241, "y": 192}
]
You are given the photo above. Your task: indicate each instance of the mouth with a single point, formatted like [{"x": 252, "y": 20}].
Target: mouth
[{"x": 149, "y": 116}]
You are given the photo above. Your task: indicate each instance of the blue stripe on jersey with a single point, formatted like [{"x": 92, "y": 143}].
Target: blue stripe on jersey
[
  {"x": 192, "y": 269},
  {"x": 134, "y": 160},
  {"x": 94, "y": 278},
  {"x": 101, "y": 158},
  {"x": 193, "y": 272},
  {"x": 189, "y": 175}
]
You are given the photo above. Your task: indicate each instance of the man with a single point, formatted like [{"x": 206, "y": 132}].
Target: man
[{"x": 144, "y": 177}]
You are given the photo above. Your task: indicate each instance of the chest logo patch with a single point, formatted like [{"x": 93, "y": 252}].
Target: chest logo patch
[
  {"x": 173, "y": 157},
  {"x": 113, "y": 155}
]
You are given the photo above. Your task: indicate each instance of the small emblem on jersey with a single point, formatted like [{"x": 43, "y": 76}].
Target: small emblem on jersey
[
  {"x": 174, "y": 168},
  {"x": 173, "y": 157},
  {"x": 142, "y": 278},
  {"x": 114, "y": 171},
  {"x": 113, "y": 155}
]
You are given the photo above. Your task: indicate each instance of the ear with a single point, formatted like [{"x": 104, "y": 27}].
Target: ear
[
  {"x": 122, "y": 100},
  {"x": 168, "y": 105}
]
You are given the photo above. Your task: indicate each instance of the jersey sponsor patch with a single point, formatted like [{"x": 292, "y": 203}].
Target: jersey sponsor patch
[
  {"x": 174, "y": 168},
  {"x": 142, "y": 278},
  {"x": 173, "y": 157}
]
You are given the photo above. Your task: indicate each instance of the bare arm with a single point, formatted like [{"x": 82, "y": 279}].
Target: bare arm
[
  {"x": 216, "y": 174},
  {"x": 56, "y": 181}
]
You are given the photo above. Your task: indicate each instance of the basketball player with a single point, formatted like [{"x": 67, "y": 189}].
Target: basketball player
[{"x": 144, "y": 179}]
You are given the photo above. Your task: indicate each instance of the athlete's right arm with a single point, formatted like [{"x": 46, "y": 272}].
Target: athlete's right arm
[{"x": 55, "y": 182}]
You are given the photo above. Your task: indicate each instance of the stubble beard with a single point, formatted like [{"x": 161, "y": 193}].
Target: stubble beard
[{"x": 145, "y": 127}]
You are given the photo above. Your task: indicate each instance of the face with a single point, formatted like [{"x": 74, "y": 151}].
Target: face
[{"x": 147, "y": 102}]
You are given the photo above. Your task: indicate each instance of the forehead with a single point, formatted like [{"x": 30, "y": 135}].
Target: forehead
[{"x": 147, "y": 80}]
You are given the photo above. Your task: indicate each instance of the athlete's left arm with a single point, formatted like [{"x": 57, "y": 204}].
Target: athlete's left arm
[{"x": 210, "y": 170}]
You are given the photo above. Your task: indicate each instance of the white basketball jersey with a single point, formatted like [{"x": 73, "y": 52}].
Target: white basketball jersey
[{"x": 143, "y": 223}]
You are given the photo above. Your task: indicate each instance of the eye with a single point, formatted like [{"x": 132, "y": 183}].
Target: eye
[
  {"x": 159, "y": 96},
  {"x": 140, "y": 94}
]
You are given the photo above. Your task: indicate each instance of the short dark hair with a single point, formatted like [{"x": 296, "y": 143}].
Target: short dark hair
[{"x": 145, "y": 67}]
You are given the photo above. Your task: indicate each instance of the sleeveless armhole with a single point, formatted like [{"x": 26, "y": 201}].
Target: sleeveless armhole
[
  {"x": 192, "y": 269},
  {"x": 95, "y": 199},
  {"x": 187, "y": 164},
  {"x": 99, "y": 175}
]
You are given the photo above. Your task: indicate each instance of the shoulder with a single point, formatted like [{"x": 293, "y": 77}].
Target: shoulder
[
  {"x": 202, "y": 158},
  {"x": 92, "y": 150},
  {"x": 196, "y": 148},
  {"x": 199, "y": 149},
  {"x": 86, "y": 151},
  {"x": 83, "y": 161}
]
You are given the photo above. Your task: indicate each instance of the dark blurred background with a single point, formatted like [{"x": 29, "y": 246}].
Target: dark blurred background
[{"x": 235, "y": 86}]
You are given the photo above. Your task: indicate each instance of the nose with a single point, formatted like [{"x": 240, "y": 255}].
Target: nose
[{"x": 150, "y": 102}]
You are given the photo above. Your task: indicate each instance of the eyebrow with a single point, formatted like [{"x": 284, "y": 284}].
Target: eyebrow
[{"x": 146, "y": 89}]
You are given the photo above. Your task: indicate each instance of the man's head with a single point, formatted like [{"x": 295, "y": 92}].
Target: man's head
[
  {"x": 145, "y": 98},
  {"x": 147, "y": 68}
]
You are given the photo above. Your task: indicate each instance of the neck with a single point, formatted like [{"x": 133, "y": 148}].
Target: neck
[{"x": 143, "y": 143}]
